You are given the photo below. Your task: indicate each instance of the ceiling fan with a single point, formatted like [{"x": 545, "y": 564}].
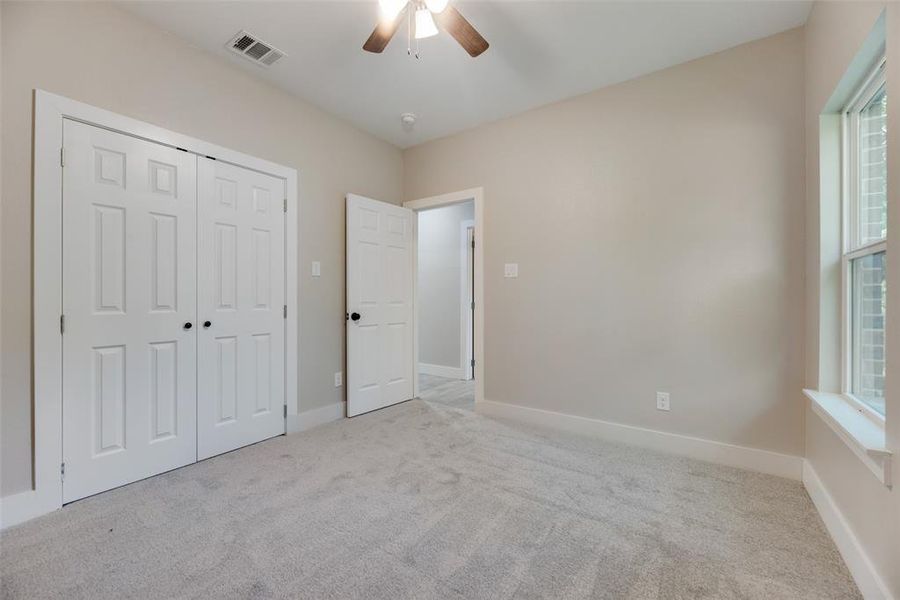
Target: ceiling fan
[{"x": 425, "y": 13}]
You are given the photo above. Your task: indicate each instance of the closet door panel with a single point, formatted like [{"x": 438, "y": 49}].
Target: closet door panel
[
  {"x": 241, "y": 292},
  {"x": 129, "y": 287}
]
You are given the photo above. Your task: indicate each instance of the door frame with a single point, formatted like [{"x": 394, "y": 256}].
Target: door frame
[
  {"x": 466, "y": 324},
  {"x": 49, "y": 112},
  {"x": 475, "y": 195}
]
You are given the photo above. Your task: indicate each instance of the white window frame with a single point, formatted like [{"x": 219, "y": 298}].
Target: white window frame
[{"x": 874, "y": 81}]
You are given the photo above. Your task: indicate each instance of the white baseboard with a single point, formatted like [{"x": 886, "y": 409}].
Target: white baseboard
[
  {"x": 864, "y": 574},
  {"x": 21, "y": 507},
  {"x": 753, "y": 459},
  {"x": 442, "y": 371},
  {"x": 317, "y": 416}
]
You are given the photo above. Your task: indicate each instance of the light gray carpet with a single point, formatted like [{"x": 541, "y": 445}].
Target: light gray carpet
[
  {"x": 425, "y": 501},
  {"x": 450, "y": 392}
]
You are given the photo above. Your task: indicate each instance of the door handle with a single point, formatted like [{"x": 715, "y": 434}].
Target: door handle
[
  {"x": 207, "y": 324},
  {"x": 188, "y": 325},
  {"x": 355, "y": 316}
]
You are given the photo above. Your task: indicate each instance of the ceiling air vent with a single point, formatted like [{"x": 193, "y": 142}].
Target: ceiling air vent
[{"x": 252, "y": 48}]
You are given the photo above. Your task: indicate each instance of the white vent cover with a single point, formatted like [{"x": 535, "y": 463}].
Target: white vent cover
[{"x": 252, "y": 48}]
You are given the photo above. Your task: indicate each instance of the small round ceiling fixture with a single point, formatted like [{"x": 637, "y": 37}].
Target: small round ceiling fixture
[{"x": 408, "y": 120}]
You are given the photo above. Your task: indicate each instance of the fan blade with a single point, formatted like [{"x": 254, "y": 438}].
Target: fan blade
[
  {"x": 456, "y": 25},
  {"x": 383, "y": 33}
]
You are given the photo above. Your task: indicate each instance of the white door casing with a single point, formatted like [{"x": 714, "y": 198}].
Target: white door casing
[
  {"x": 380, "y": 279},
  {"x": 477, "y": 196},
  {"x": 51, "y": 112},
  {"x": 129, "y": 379},
  {"x": 241, "y": 388},
  {"x": 467, "y": 318}
]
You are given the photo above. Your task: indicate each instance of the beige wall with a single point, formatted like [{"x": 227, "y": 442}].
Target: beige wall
[
  {"x": 835, "y": 33},
  {"x": 658, "y": 227},
  {"x": 103, "y": 56},
  {"x": 439, "y": 295}
]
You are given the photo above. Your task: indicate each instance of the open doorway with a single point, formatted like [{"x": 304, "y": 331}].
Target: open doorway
[
  {"x": 444, "y": 271},
  {"x": 448, "y": 280}
]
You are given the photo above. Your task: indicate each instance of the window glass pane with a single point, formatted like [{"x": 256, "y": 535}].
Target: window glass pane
[
  {"x": 872, "y": 215},
  {"x": 867, "y": 333}
]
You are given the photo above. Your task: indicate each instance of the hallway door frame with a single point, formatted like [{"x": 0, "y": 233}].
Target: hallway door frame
[
  {"x": 467, "y": 298},
  {"x": 475, "y": 195}
]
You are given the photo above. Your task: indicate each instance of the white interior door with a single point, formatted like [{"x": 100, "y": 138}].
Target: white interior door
[
  {"x": 240, "y": 310},
  {"x": 129, "y": 242},
  {"x": 379, "y": 304}
]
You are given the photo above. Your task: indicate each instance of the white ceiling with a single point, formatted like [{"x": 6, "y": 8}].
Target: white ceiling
[{"x": 540, "y": 52}]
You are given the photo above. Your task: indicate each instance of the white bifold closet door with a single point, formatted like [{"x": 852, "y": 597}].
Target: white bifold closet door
[
  {"x": 241, "y": 275},
  {"x": 129, "y": 256},
  {"x": 173, "y": 296}
]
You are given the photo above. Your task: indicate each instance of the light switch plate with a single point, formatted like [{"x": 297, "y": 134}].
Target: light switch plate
[
  {"x": 316, "y": 268},
  {"x": 662, "y": 400},
  {"x": 511, "y": 270},
  {"x": 339, "y": 379}
]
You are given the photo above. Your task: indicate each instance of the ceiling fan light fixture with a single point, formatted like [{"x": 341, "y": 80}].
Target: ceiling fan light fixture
[
  {"x": 425, "y": 26},
  {"x": 391, "y": 8},
  {"x": 436, "y": 6},
  {"x": 452, "y": 22}
]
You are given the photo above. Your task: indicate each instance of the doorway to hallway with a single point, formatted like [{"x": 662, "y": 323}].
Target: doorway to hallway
[{"x": 445, "y": 303}]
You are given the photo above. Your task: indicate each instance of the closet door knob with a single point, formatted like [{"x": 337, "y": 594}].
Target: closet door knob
[
  {"x": 188, "y": 325},
  {"x": 207, "y": 324},
  {"x": 354, "y": 316}
]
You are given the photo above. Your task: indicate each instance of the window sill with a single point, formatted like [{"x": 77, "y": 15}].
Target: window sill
[{"x": 863, "y": 435}]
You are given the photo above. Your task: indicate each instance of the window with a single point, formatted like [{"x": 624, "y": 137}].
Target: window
[{"x": 865, "y": 241}]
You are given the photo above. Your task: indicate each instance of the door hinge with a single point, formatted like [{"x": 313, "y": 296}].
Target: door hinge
[
  {"x": 285, "y": 311},
  {"x": 62, "y": 471},
  {"x": 473, "y": 362},
  {"x": 285, "y": 411},
  {"x": 285, "y": 205},
  {"x": 473, "y": 305},
  {"x": 473, "y": 242},
  {"x": 62, "y": 324},
  {"x": 62, "y": 157}
]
